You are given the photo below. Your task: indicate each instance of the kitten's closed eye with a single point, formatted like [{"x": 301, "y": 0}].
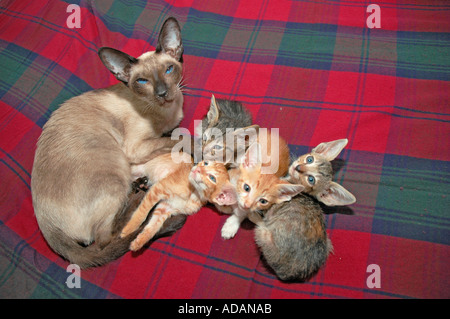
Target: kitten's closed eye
[{"x": 169, "y": 69}]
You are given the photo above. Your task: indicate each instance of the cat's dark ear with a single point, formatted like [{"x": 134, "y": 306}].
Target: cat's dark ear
[
  {"x": 118, "y": 62},
  {"x": 330, "y": 150},
  {"x": 227, "y": 196},
  {"x": 169, "y": 40},
  {"x": 335, "y": 195},
  {"x": 213, "y": 113},
  {"x": 287, "y": 190}
]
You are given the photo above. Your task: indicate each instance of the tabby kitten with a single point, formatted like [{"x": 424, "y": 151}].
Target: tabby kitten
[
  {"x": 314, "y": 172},
  {"x": 183, "y": 191},
  {"x": 292, "y": 238},
  {"x": 256, "y": 192},
  {"x": 223, "y": 117}
]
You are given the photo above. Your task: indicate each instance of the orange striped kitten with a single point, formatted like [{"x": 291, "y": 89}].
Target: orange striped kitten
[
  {"x": 274, "y": 151},
  {"x": 314, "y": 171},
  {"x": 183, "y": 191},
  {"x": 255, "y": 191}
]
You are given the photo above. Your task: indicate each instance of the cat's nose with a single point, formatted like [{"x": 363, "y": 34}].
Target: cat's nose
[
  {"x": 161, "y": 90},
  {"x": 300, "y": 168},
  {"x": 162, "y": 93}
]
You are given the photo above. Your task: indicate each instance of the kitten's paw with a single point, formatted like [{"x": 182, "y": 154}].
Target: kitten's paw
[
  {"x": 135, "y": 245},
  {"x": 138, "y": 242},
  {"x": 125, "y": 232},
  {"x": 229, "y": 229}
]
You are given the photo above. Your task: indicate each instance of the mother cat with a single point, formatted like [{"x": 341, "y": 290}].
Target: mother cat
[{"x": 95, "y": 144}]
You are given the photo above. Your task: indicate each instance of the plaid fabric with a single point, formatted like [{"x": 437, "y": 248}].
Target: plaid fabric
[{"x": 311, "y": 68}]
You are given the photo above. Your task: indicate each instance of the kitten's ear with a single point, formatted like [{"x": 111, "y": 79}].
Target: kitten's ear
[
  {"x": 335, "y": 195},
  {"x": 287, "y": 190},
  {"x": 251, "y": 129},
  {"x": 248, "y": 135},
  {"x": 213, "y": 113},
  {"x": 227, "y": 195},
  {"x": 118, "y": 62},
  {"x": 330, "y": 150},
  {"x": 169, "y": 40},
  {"x": 252, "y": 158}
]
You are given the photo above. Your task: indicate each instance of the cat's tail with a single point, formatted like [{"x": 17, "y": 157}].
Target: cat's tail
[{"x": 93, "y": 255}]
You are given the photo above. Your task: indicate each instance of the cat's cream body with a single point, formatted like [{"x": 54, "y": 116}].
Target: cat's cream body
[{"x": 93, "y": 144}]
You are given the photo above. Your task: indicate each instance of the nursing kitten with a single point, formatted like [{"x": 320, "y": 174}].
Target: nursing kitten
[
  {"x": 314, "y": 171},
  {"x": 292, "y": 238},
  {"x": 89, "y": 149},
  {"x": 184, "y": 191},
  {"x": 255, "y": 191},
  {"x": 223, "y": 116}
]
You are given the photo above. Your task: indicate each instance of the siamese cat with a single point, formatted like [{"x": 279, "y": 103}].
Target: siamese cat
[{"x": 95, "y": 145}]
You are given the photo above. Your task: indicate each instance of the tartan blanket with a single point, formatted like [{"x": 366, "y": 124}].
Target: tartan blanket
[{"x": 312, "y": 68}]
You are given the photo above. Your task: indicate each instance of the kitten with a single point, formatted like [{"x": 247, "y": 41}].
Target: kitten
[
  {"x": 292, "y": 238},
  {"x": 256, "y": 192},
  {"x": 184, "y": 191},
  {"x": 81, "y": 174},
  {"x": 314, "y": 172},
  {"x": 223, "y": 117}
]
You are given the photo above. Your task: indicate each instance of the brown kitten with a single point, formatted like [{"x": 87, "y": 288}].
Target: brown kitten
[
  {"x": 184, "y": 191},
  {"x": 81, "y": 174},
  {"x": 292, "y": 238},
  {"x": 314, "y": 172}
]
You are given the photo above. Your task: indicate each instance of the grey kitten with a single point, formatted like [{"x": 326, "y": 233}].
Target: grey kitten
[
  {"x": 292, "y": 238},
  {"x": 315, "y": 173},
  {"x": 224, "y": 116}
]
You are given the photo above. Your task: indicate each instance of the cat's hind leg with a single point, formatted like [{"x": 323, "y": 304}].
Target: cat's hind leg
[{"x": 162, "y": 212}]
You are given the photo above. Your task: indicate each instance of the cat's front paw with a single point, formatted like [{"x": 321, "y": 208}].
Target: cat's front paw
[{"x": 229, "y": 229}]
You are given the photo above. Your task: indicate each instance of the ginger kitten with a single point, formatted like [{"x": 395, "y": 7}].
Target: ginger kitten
[{"x": 184, "y": 191}]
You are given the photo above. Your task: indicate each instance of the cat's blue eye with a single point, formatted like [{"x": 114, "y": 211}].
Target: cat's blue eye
[
  {"x": 205, "y": 163},
  {"x": 141, "y": 81},
  {"x": 246, "y": 188},
  {"x": 169, "y": 69},
  {"x": 217, "y": 147},
  {"x": 263, "y": 201},
  {"x": 212, "y": 178},
  {"x": 310, "y": 159},
  {"x": 311, "y": 180}
]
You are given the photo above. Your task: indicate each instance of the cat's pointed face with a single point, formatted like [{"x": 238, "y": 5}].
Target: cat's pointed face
[
  {"x": 312, "y": 171},
  {"x": 154, "y": 76}
]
